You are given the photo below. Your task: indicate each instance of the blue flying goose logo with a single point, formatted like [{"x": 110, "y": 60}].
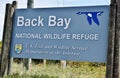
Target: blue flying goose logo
[{"x": 92, "y": 16}]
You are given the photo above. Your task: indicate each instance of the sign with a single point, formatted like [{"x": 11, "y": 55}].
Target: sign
[{"x": 69, "y": 33}]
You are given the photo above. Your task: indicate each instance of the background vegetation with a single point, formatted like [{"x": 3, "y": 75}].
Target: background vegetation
[
  {"x": 0, "y": 44},
  {"x": 54, "y": 70}
]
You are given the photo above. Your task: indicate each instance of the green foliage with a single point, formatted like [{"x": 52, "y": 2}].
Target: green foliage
[
  {"x": 18, "y": 60},
  {"x": 54, "y": 70},
  {"x": 43, "y": 76},
  {"x": 17, "y": 75},
  {"x": 0, "y": 44},
  {"x": 80, "y": 64}
]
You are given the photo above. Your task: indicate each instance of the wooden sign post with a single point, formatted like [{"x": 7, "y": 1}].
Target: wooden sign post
[
  {"x": 111, "y": 39},
  {"x": 5, "y": 55},
  {"x": 113, "y": 60},
  {"x": 27, "y": 62},
  {"x": 116, "y": 68}
]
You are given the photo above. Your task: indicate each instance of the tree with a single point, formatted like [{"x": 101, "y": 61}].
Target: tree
[{"x": 0, "y": 44}]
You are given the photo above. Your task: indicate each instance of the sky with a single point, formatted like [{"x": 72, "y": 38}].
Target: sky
[{"x": 48, "y": 3}]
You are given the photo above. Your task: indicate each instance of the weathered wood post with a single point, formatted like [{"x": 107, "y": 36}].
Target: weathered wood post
[
  {"x": 113, "y": 63},
  {"x": 27, "y": 62},
  {"x": 112, "y": 24},
  {"x": 63, "y": 63},
  {"x": 10, "y": 60},
  {"x": 30, "y": 4},
  {"x": 5, "y": 55},
  {"x": 116, "y": 69},
  {"x": 44, "y": 63}
]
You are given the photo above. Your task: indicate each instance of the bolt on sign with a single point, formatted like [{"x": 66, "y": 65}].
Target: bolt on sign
[{"x": 67, "y": 33}]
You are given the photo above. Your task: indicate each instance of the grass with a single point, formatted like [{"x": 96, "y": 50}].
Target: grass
[{"x": 52, "y": 70}]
